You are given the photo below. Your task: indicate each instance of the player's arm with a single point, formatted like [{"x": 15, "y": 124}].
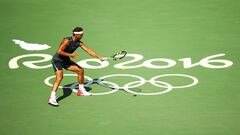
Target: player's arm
[
  {"x": 91, "y": 52},
  {"x": 63, "y": 46}
]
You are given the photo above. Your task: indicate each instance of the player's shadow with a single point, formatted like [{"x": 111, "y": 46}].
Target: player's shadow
[{"x": 67, "y": 89}]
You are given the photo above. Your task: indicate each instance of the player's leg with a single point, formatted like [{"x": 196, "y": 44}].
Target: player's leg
[
  {"x": 80, "y": 77},
  {"x": 80, "y": 72},
  {"x": 59, "y": 76},
  {"x": 57, "y": 66}
]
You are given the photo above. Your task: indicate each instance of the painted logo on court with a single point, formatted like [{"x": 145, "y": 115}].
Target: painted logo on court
[
  {"x": 31, "y": 46},
  {"x": 130, "y": 86},
  {"x": 132, "y": 62}
]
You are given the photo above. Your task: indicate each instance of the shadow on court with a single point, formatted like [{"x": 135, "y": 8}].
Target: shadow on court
[{"x": 67, "y": 89}]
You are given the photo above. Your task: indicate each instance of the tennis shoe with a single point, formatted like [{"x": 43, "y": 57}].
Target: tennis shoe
[
  {"x": 87, "y": 93},
  {"x": 79, "y": 93},
  {"x": 52, "y": 101},
  {"x": 84, "y": 92}
]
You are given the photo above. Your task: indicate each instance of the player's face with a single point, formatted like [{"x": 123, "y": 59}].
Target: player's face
[{"x": 79, "y": 36}]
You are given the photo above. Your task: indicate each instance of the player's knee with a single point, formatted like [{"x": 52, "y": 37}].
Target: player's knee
[{"x": 80, "y": 70}]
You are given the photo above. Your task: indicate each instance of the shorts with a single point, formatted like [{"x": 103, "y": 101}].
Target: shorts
[{"x": 60, "y": 64}]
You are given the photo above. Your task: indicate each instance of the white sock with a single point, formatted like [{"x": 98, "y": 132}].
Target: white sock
[
  {"x": 53, "y": 94},
  {"x": 81, "y": 87}
]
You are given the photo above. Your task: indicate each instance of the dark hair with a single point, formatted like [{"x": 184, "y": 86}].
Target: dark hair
[{"x": 77, "y": 29}]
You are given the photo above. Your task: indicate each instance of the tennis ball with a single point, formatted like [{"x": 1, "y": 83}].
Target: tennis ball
[{"x": 123, "y": 68}]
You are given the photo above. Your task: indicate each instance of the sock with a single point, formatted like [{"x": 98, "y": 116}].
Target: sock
[
  {"x": 53, "y": 94},
  {"x": 81, "y": 87}
]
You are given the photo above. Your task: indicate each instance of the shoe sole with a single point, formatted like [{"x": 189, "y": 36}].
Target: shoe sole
[{"x": 53, "y": 105}]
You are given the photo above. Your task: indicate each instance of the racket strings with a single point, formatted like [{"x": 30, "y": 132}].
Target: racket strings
[{"x": 119, "y": 55}]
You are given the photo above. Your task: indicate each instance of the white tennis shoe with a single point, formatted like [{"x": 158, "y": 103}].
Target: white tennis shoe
[
  {"x": 83, "y": 92},
  {"x": 52, "y": 101}
]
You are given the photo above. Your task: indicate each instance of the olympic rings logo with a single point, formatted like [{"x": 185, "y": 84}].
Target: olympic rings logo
[{"x": 127, "y": 87}]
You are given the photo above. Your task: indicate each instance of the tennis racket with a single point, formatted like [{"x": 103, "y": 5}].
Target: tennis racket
[{"x": 117, "y": 56}]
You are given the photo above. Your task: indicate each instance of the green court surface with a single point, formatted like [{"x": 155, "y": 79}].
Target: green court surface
[{"x": 181, "y": 42}]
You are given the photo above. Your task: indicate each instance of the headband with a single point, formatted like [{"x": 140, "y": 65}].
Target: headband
[{"x": 79, "y": 32}]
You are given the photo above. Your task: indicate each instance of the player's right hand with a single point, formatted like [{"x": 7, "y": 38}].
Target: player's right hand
[{"x": 101, "y": 58}]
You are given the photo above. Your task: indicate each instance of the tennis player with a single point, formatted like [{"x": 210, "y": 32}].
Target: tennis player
[{"x": 62, "y": 60}]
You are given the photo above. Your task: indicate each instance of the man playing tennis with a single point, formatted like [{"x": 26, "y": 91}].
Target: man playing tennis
[{"x": 62, "y": 60}]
